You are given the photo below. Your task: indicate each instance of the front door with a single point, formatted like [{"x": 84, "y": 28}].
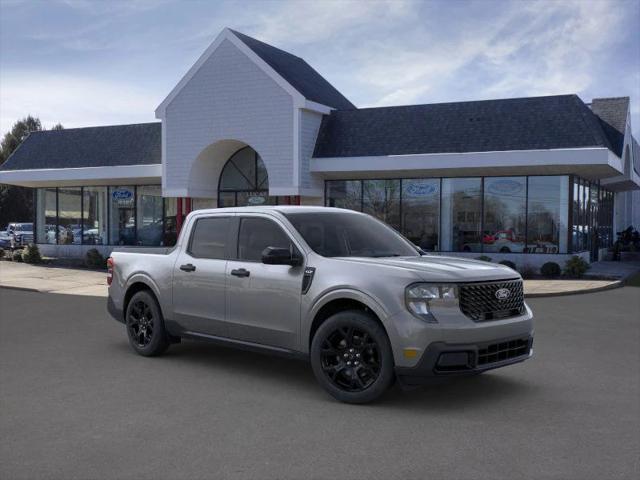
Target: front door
[
  {"x": 199, "y": 278},
  {"x": 263, "y": 301}
]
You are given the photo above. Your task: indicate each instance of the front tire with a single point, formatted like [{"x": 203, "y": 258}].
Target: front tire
[
  {"x": 145, "y": 325},
  {"x": 352, "y": 358}
]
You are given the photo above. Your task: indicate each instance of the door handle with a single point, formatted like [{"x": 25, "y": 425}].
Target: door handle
[
  {"x": 188, "y": 268},
  {"x": 241, "y": 272}
]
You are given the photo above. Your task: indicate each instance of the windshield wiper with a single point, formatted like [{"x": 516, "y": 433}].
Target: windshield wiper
[{"x": 382, "y": 255}]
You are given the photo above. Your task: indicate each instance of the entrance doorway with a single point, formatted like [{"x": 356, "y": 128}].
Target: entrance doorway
[{"x": 244, "y": 181}]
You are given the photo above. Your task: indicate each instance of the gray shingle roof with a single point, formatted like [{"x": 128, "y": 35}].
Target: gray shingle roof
[
  {"x": 534, "y": 123},
  {"x": 613, "y": 115},
  {"x": 137, "y": 144},
  {"x": 298, "y": 73}
]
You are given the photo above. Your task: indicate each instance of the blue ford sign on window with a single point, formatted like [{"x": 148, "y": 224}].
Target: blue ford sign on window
[
  {"x": 421, "y": 189},
  {"x": 256, "y": 200},
  {"x": 122, "y": 194},
  {"x": 123, "y": 197},
  {"x": 506, "y": 187}
]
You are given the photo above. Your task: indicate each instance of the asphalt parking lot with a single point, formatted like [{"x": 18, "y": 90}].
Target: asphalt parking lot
[{"x": 76, "y": 402}]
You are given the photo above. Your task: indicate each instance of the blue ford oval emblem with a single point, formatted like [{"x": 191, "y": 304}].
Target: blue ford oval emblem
[
  {"x": 122, "y": 194},
  {"x": 505, "y": 187},
  {"x": 256, "y": 200},
  {"x": 503, "y": 293},
  {"x": 421, "y": 189}
]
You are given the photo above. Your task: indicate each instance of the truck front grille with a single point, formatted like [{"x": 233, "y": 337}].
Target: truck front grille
[
  {"x": 498, "y": 352},
  {"x": 485, "y": 301}
]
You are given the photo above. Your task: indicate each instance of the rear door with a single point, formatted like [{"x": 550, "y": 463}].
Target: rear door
[
  {"x": 199, "y": 277},
  {"x": 263, "y": 301}
]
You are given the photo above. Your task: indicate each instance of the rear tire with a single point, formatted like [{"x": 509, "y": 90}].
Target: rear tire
[
  {"x": 145, "y": 325},
  {"x": 352, "y": 358}
]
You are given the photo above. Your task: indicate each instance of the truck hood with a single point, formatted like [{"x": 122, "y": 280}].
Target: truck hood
[{"x": 435, "y": 268}]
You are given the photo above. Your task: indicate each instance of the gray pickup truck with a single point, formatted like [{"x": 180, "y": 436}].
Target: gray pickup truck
[{"x": 334, "y": 286}]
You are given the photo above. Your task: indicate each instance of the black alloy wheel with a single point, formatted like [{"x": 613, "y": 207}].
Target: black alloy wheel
[
  {"x": 145, "y": 325},
  {"x": 352, "y": 358},
  {"x": 140, "y": 323}
]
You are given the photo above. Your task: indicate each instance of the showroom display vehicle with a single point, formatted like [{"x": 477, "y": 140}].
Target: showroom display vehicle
[{"x": 335, "y": 286}]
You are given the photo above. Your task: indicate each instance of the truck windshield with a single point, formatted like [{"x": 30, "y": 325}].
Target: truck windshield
[{"x": 336, "y": 234}]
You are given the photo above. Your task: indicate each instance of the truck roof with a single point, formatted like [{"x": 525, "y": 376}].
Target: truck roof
[{"x": 277, "y": 208}]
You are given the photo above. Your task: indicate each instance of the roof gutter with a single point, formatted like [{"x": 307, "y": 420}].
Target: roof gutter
[{"x": 62, "y": 177}]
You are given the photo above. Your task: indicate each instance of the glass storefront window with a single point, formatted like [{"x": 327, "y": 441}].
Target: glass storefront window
[
  {"x": 46, "y": 216},
  {"x": 461, "y": 214},
  {"x": 381, "y": 199},
  {"x": 202, "y": 203},
  {"x": 170, "y": 235},
  {"x": 122, "y": 219},
  {"x": 505, "y": 207},
  {"x": 592, "y": 221},
  {"x": 593, "y": 217},
  {"x": 344, "y": 194},
  {"x": 226, "y": 199},
  {"x": 582, "y": 217},
  {"x": 548, "y": 210},
  {"x": 244, "y": 199},
  {"x": 70, "y": 216},
  {"x": 421, "y": 211},
  {"x": 587, "y": 216},
  {"x": 149, "y": 215},
  {"x": 94, "y": 215},
  {"x": 575, "y": 212},
  {"x": 244, "y": 181}
]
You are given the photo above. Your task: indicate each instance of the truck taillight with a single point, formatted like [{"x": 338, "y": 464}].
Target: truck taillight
[{"x": 109, "y": 270}]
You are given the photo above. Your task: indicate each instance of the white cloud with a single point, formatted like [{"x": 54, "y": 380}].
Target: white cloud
[
  {"x": 305, "y": 22},
  {"x": 376, "y": 52},
  {"x": 72, "y": 100},
  {"x": 532, "y": 48}
]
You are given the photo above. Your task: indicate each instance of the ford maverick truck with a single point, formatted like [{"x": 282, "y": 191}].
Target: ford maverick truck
[{"x": 334, "y": 286}]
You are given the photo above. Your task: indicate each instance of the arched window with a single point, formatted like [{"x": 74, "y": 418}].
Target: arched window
[{"x": 244, "y": 181}]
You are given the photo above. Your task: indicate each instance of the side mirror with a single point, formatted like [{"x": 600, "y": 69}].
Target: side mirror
[{"x": 280, "y": 256}]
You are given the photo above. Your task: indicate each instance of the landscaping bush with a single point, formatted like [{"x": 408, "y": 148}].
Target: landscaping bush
[
  {"x": 31, "y": 254},
  {"x": 94, "y": 259},
  {"x": 551, "y": 269},
  {"x": 576, "y": 266},
  {"x": 16, "y": 256},
  {"x": 1, "y": 252},
  {"x": 528, "y": 271},
  {"x": 484, "y": 258},
  {"x": 509, "y": 264}
]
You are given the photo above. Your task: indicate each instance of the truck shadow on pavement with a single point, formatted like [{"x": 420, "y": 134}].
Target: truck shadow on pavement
[{"x": 449, "y": 394}]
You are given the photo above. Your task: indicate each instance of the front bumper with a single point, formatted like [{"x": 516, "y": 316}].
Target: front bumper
[{"x": 442, "y": 359}]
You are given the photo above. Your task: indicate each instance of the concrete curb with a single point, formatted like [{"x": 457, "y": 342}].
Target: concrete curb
[
  {"x": 616, "y": 284},
  {"x": 23, "y": 289}
]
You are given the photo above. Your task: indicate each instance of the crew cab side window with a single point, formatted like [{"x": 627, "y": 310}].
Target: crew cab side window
[
  {"x": 209, "y": 238},
  {"x": 256, "y": 234}
]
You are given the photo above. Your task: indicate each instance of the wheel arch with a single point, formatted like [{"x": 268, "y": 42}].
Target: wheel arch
[
  {"x": 136, "y": 284},
  {"x": 339, "y": 301}
]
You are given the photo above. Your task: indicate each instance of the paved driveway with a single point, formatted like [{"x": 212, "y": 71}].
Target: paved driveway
[
  {"x": 76, "y": 281},
  {"x": 77, "y": 403}
]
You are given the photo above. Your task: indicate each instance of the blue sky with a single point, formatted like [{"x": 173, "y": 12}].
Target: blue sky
[{"x": 82, "y": 62}]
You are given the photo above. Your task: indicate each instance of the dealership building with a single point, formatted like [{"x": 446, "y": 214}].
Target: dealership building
[{"x": 526, "y": 179}]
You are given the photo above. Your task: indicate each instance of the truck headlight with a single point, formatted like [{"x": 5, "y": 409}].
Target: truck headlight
[{"x": 421, "y": 296}]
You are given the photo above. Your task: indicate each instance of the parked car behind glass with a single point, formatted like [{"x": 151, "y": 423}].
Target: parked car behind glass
[{"x": 18, "y": 234}]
